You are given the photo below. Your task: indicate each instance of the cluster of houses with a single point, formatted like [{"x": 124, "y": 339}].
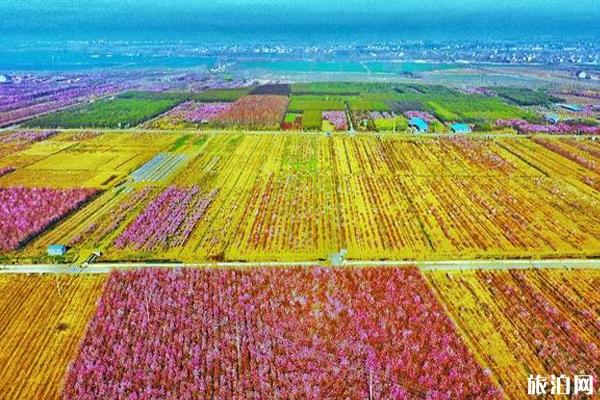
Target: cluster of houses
[
  {"x": 554, "y": 118},
  {"x": 419, "y": 125},
  {"x": 587, "y": 75}
]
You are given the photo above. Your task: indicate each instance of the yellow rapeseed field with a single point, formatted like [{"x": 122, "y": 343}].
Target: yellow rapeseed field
[
  {"x": 517, "y": 323},
  {"x": 295, "y": 197},
  {"x": 42, "y": 319}
]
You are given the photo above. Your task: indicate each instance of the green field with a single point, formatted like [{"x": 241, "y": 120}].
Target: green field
[
  {"x": 526, "y": 97},
  {"x": 302, "y": 103},
  {"x": 125, "y": 111},
  {"x": 473, "y": 109},
  {"x": 291, "y": 117},
  {"x": 446, "y": 104},
  {"x": 221, "y": 95},
  {"x": 398, "y": 123},
  {"x": 311, "y": 120},
  {"x": 311, "y": 99},
  {"x": 373, "y": 101},
  {"x": 339, "y": 88}
]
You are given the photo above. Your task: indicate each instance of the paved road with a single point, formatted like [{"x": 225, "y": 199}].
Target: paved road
[{"x": 446, "y": 265}]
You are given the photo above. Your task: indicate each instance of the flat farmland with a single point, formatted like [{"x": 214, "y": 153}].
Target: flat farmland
[
  {"x": 286, "y": 329},
  {"x": 262, "y": 196},
  {"x": 42, "y": 321},
  {"x": 80, "y": 159},
  {"x": 292, "y": 333},
  {"x": 522, "y": 322},
  {"x": 124, "y": 111}
]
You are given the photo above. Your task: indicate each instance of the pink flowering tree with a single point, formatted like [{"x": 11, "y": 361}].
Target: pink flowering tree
[
  {"x": 424, "y": 115},
  {"x": 561, "y": 128},
  {"x": 26, "y": 212},
  {"x": 296, "y": 333},
  {"x": 337, "y": 118},
  {"x": 168, "y": 220}
]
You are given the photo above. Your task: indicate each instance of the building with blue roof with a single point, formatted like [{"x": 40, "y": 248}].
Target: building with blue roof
[
  {"x": 57, "y": 250},
  {"x": 572, "y": 107},
  {"x": 460, "y": 128},
  {"x": 418, "y": 124},
  {"x": 552, "y": 118}
]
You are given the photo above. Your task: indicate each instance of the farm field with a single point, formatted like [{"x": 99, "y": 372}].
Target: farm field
[
  {"x": 384, "y": 330},
  {"x": 366, "y": 101},
  {"x": 124, "y": 111},
  {"x": 369, "y": 105},
  {"x": 553, "y": 328},
  {"x": 42, "y": 321},
  {"x": 221, "y": 95},
  {"x": 261, "y": 112},
  {"x": 188, "y": 115},
  {"x": 525, "y": 97},
  {"x": 27, "y": 212},
  {"x": 296, "y": 333},
  {"x": 280, "y": 200},
  {"x": 33, "y": 95},
  {"x": 90, "y": 159},
  {"x": 267, "y": 196}
]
